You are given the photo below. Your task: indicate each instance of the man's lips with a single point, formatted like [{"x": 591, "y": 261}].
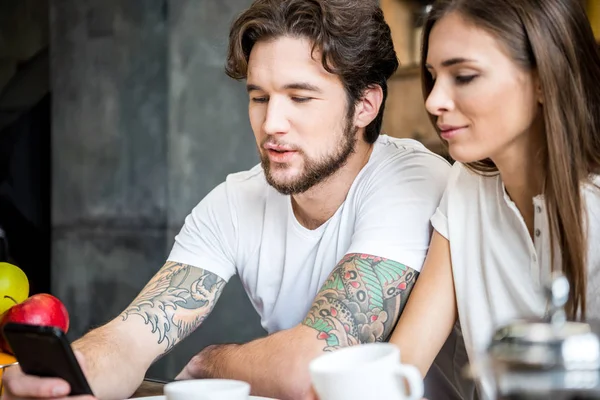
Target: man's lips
[
  {"x": 279, "y": 153},
  {"x": 277, "y": 147}
]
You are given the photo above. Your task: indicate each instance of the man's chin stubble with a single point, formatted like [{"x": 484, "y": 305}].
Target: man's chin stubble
[{"x": 285, "y": 188}]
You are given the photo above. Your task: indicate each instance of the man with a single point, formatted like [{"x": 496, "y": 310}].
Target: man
[{"x": 333, "y": 213}]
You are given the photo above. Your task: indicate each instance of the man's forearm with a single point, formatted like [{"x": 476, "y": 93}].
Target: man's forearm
[
  {"x": 359, "y": 303},
  {"x": 275, "y": 366},
  {"x": 171, "y": 306},
  {"x": 113, "y": 367}
]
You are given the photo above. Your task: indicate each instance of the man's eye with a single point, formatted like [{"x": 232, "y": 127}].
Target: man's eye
[
  {"x": 301, "y": 99},
  {"x": 259, "y": 99}
]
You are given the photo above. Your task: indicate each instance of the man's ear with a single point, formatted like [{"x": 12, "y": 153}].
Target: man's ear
[{"x": 367, "y": 108}]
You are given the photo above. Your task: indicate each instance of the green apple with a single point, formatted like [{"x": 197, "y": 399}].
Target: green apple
[{"x": 14, "y": 286}]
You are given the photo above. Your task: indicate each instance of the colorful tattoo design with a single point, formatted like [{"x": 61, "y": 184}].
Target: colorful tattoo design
[
  {"x": 361, "y": 301},
  {"x": 176, "y": 301}
]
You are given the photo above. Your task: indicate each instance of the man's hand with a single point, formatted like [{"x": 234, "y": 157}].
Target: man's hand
[
  {"x": 193, "y": 369},
  {"x": 360, "y": 302},
  {"x": 312, "y": 395},
  {"x": 18, "y": 386},
  {"x": 196, "y": 368}
]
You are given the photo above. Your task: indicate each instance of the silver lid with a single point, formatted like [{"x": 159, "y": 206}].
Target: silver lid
[{"x": 550, "y": 342}]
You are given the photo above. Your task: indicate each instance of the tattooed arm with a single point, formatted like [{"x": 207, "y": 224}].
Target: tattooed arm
[
  {"x": 359, "y": 303},
  {"x": 172, "y": 305}
]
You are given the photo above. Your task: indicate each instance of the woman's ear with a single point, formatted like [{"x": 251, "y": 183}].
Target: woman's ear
[{"x": 539, "y": 93}]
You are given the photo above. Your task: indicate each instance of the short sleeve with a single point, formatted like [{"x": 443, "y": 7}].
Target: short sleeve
[
  {"x": 393, "y": 220},
  {"x": 208, "y": 236},
  {"x": 439, "y": 220}
]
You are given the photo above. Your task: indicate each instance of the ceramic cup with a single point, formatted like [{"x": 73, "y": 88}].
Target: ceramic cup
[
  {"x": 367, "y": 371},
  {"x": 207, "y": 389}
]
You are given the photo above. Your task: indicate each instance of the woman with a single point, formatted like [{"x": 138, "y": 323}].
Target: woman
[{"x": 512, "y": 87}]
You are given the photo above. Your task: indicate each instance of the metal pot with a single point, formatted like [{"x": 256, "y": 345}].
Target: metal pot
[{"x": 549, "y": 358}]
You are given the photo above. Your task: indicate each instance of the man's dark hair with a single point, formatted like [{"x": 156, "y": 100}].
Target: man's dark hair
[{"x": 352, "y": 36}]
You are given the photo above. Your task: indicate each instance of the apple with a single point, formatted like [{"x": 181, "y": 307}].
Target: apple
[
  {"x": 14, "y": 286},
  {"x": 40, "y": 309}
]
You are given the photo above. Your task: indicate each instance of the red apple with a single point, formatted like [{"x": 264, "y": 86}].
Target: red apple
[{"x": 40, "y": 309}]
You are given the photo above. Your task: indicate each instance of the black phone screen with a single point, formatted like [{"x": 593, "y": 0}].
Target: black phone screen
[{"x": 45, "y": 352}]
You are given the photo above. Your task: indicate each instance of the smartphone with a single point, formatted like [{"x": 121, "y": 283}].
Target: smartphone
[{"x": 45, "y": 351}]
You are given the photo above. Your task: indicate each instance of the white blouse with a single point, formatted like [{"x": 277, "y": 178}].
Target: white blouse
[{"x": 499, "y": 271}]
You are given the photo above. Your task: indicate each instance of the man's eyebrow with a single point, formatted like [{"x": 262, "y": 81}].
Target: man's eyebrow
[
  {"x": 303, "y": 86},
  {"x": 250, "y": 88},
  {"x": 296, "y": 85},
  {"x": 451, "y": 61}
]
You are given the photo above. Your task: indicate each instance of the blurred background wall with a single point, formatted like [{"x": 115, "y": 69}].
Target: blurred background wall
[
  {"x": 116, "y": 119},
  {"x": 145, "y": 124}
]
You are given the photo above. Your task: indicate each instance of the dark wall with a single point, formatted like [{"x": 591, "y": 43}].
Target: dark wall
[
  {"x": 25, "y": 139},
  {"x": 145, "y": 124},
  {"x": 25, "y": 194}
]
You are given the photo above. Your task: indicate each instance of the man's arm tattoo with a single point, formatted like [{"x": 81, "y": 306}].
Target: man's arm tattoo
[
  {"x": 361, "y": 301},
  {"x": 176, "y": 301}
]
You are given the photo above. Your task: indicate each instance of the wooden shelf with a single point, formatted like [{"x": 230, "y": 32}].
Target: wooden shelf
[
  {"x": 405, "y": 114},
  {"x": 408, "y": 71}
]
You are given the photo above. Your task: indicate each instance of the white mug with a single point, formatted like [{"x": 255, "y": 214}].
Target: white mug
[
  {"x": 367, "y": 371},
  {"x": 207, "y": 389}
]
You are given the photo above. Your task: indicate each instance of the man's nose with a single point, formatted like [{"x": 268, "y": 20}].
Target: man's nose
[{"x": 276, "y": 120}]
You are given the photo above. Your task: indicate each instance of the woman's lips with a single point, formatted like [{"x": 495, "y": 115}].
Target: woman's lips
[{"x": 448, "y": 133}]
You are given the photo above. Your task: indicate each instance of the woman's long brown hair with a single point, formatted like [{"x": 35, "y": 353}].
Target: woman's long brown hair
[{"x": 554, "y": 38}]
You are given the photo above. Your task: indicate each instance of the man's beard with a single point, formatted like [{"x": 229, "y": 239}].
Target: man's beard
[{"x": 315, "y": 171}]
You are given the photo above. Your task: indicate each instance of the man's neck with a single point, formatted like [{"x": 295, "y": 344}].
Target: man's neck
[{"x": 315, "y": 206}]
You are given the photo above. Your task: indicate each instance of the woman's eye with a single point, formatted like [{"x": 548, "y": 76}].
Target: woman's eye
[{"x": 464, "y": 79}]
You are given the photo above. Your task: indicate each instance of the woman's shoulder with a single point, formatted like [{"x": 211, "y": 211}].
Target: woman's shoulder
[
  {"x": 468, "y": 191},
  {"x": 463, "y": 179},
  {"x": 591, "y": 198},
  {"x": 593, "y": 183},
  {"x": 591, "y": 193}
]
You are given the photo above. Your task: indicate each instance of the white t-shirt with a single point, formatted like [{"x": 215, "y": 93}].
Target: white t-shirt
[
  {"x": 498, "y": 270},
  {"x": 246, "y": 227}
]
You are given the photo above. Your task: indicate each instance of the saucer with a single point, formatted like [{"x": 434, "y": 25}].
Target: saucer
[{"x": 164, "y": 398}]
